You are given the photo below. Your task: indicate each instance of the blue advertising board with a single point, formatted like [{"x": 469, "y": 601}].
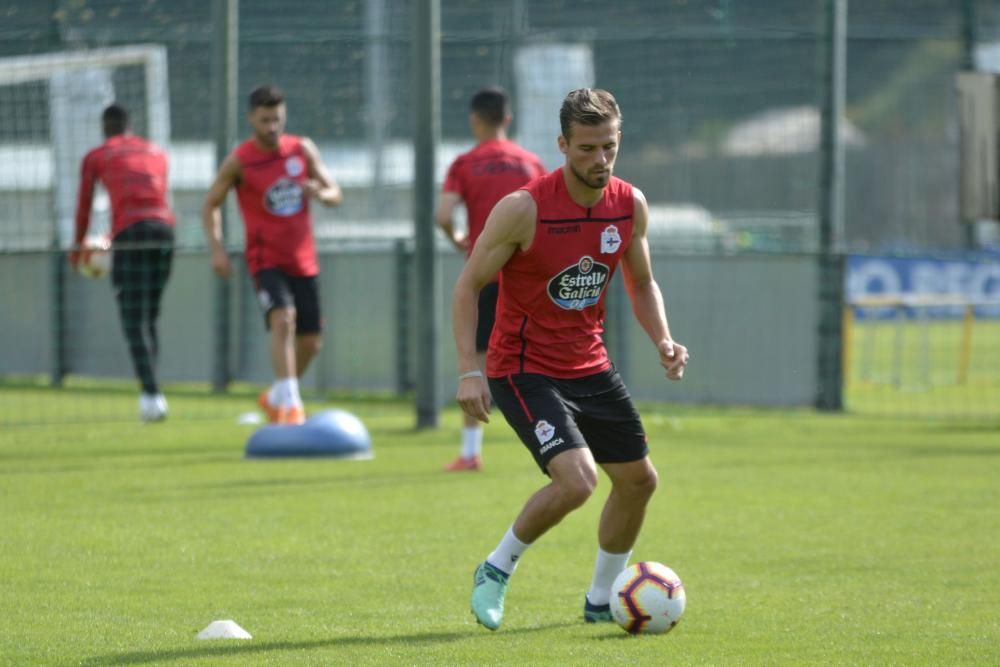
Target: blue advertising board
[{"x": 972, "y": 277}]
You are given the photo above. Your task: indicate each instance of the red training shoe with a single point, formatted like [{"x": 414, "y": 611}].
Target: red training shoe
[
  {"x": 265, "y": 404},
  {"x": 294, "y": 415},
  {"x": 462, "y": 464}
]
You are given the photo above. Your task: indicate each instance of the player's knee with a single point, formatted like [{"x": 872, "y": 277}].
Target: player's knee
[
  {"x": 283, "y": 320},
  {"x": 311, "y": 344},
  {"x": 647, "y": 483},
  {"x": 642, "y": 484},
  {"x": 577, "y": 489}
]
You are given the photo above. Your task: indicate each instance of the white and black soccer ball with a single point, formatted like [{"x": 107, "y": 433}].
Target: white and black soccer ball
[{"x": 647, "y": 598}]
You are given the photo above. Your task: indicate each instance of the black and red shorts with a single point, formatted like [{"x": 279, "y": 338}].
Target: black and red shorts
[
  {"x": 277, "y": 289},
  {"x": 551, "y": 415}
]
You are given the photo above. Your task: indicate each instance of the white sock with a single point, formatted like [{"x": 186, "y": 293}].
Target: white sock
[
  {"x": 286, "y": 392},
  {"x": 472, "y": 441},
  {"x": 272, "y": 394},
  {"x": 607, "y": 567},
  {"x": 507, "y": 554},
  {"x": 294, "y": 398}
]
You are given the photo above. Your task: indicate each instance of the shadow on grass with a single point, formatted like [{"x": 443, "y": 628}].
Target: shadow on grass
[
  {"x": 250, "y": 488},
  {"x": 927, "y": 452},
  {"x": 35, "y": 463},
  {"x": 623, "y": 637},
  {"x": 159, "y": 455},
  {"x": 990, "y": 430},
  {"x": 254, "y": 647},
  {"x": 83, "y": 468}
]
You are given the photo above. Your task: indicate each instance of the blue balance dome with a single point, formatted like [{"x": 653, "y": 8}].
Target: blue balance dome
[{"x": 331, "y": 433}]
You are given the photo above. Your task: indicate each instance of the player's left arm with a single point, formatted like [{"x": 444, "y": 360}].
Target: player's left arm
[
  {"x": 321, "y": 184},
  {"x": 444, "y": 216},
  {"x": 647, "y": 300}
]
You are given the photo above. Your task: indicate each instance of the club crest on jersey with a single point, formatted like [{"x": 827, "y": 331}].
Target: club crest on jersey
[
  {"x": 611, "y": 240},
  {"x": 284, "y": 198},
  {"x": 294, "y": 166},
  {"x": 579, "y": 285}
]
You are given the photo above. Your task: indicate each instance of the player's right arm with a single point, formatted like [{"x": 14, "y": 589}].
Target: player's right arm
[
  {"x": 509, "y": 227},
  {"x": 211, "y": 214},
  {"x": 444, "y": 217},
  {"x": 85, "y": 198}
]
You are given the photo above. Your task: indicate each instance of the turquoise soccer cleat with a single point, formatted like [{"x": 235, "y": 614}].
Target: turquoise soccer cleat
[
  {"x": 488, "y": 590},
  {"x": 596, "y": 613}
]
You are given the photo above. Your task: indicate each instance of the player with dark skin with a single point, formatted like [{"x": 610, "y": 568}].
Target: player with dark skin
[{"x": 133, "y": 170}]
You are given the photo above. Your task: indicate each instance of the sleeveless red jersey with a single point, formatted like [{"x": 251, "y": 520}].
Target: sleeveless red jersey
[
  {"x": 486, "y": 174},
  {"x": 134, "y": 172},
  {"x": 550, "y": 314},
  {"x": 275, "y": 207}
]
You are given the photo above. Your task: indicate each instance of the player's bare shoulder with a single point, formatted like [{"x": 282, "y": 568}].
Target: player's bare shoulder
[
  {"x": 311, "y": 151},
  {"x": 309, "y": 146},
  {"x": 518, "y": 204},
  {"x": 640, "y": 213},
  {"x": 229, "y": 174},
  {"x": 515, "y": 216}
]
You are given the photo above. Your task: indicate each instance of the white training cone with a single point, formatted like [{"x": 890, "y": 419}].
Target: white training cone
[
  {"x": 223, "y": 630},
  {"x": 249, "y": 418}
]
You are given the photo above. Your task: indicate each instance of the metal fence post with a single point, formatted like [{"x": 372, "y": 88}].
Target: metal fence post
[
  {"x": 829, "y": 376},
  {"x": 59, "y": 361},
  {"x": 426, "y": 137},
  {"x": 225, "y": 64},
  {"x": 404, "y": 270}
]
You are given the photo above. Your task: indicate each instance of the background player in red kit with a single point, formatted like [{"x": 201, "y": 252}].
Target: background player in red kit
[
  {"x": 480, "y": 178},
  {"x": 275, "y": 175},
  {"x": 134, "y": 173},
  {"x": 556, "y": 244}
]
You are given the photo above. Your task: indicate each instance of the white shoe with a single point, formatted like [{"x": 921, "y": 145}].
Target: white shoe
[{"x": 152, "y": 407}]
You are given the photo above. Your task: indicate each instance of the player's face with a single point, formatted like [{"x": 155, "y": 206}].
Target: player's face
[
  {"x": 590, "y": 152},
  {"x": 268, "y": 123}
]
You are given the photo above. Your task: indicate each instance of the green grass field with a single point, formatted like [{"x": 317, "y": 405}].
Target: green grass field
[
  {"x": 919, "y": 368},
  {"x": 801, "y": 539}
]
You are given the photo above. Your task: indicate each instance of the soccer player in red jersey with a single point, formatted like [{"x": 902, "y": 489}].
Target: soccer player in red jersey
[
  {"x": 275, "y": 175},
  {"x": 556, "y": 244},
  {"x": 134, "y": 173},
  {"x": 479, "y": 179}
]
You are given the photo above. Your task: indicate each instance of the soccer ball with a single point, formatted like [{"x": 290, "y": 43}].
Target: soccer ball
[
  {"x": 95, "y": 257},
  {"x": 647, "y": 598}
]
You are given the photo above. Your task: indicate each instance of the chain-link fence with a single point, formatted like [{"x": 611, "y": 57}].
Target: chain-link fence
[{"x": 721, "y": 105}]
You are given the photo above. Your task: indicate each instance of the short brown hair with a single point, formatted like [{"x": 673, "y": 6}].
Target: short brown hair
[
  {"x": 266, "y": 96},
  {"x": 588, "y": 106}
]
